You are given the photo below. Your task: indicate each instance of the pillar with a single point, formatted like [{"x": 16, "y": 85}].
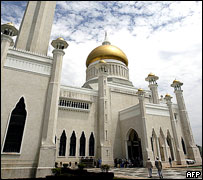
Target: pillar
[
  {"x": 146, "y": 152},
  {"x": 180, "y": 157},
  {"x": 47, "y": 152},
  {"x": 192, "y": 150},
  {"x": 104, "y": 125}
]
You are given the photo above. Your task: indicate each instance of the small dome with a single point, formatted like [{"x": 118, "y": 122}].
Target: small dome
[
  {"x": 151, "y": 74},
  {"x": 176, "y": 81},
  {"x": 12, "y": 30},
  {"x": 167, "y": 95},
  {"x": 60, "y": 38},
  {"x": 140, "y": 89},
  {"x": 59, "y": 43},
  {"x": 106, "y": 52},
  {"x": 10, "y": 23}
]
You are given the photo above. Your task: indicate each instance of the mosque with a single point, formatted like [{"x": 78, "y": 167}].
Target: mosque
[{"x": 43, "y": 122}]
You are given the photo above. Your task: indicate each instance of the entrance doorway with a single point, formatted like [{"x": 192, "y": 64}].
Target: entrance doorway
[{"x": 135, "y": 149}]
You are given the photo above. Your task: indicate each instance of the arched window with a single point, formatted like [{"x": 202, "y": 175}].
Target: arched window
[
  {"x": 183, "y": 145},
  {"x": 62, "y": 147},
  {"x": 91, "y": 145},
  {"x": 82, "y": 144},
  {"x": 72, "y": 144},
  {"x": 16, "y": 128}
]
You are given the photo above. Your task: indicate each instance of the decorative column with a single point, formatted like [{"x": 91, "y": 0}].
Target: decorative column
[
  {"x": 192, "y": 150},
  {"x": 48, "y": 148},
  {"x": 153, "y": 87},
  {"x": 180, "y": 157},
  {"x": 8, "y": 31},
  {"x": 105, "y": 150},
  {"x": 158, "y": 147},
  {"x": 146, "y": 152},
  {"x": 165, "y": 149}
]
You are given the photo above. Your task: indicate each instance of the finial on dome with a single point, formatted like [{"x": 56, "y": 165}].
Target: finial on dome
[{"x": 106, "y": 42}]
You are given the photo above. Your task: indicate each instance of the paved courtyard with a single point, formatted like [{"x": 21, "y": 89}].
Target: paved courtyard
[{"x": 142, "y": 173}]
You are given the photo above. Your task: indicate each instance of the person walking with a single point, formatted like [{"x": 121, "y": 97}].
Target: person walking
[
  {"x": 158, "y": 165},
  {"x": 170, "y": 161},
  {"x": 149, "y": 166},
  {"x": 100, "y": 162}
]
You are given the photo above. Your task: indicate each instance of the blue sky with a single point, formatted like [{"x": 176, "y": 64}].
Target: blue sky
[{"x": 162, "y": 37}]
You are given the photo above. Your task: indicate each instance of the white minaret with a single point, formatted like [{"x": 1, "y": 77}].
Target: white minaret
[
  {"x": 35, "y": 29},
  {"x": 180, "y": 157},
  {"x": 8, "y": 31},
  {"x": 105, "y": 150},
  {"x": 192, "y": 150},
  {"x": 153, "y": 87},
  {"x": 48, "y": 147}
]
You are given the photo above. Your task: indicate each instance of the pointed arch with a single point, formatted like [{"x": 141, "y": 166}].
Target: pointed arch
[
  {"x": 72, "y": 144},
  {"x": 15, "y": 130},
  {"x": 91, "y": 145},
  {"x": 82, "y": 144},
  {"x": 62, "y": 146},
  {"x": 134, "y": 148},
  {"x": 169, "y": 142}
]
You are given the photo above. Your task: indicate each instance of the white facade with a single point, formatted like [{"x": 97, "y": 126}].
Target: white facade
[{"x": 124, "y": 122}]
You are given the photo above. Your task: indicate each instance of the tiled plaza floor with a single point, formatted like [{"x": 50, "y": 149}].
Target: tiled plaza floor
[{"x": 142, "y": 173}]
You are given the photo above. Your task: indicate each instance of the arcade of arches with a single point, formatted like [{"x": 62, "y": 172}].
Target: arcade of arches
[{"x": 162, "y": 147}]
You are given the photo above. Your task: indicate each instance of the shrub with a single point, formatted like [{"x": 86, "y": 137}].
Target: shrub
[
  {"x": 56, "y": 171},
  {"x": 81, "y": 166},
  {"x": 105, "y": 168}
]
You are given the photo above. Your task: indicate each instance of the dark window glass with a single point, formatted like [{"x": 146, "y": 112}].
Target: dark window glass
[
  {"x": 16, "y": 128},
  {"x": 91, "y": 145},
  {"x": 82, "y": 144},
  {"x": 62, "y": 147},
  {"x": 152, "y": 144},
  {"x": 72, "y": 144},
  {"x": 183, "y": 145}
]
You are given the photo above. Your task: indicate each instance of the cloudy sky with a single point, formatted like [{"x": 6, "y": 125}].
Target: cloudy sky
[{"x": 164, "y": 38}]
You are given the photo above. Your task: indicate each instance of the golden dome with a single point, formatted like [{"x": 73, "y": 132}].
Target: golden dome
[
  {"x": 151, "y": 74},
  {"x": 60, "y": 38},
  {"x": 10, "y": 23},
  {"x": 167, "y": 95},
  {"x": 106, "y": 52},
  {"x": 176, "y": 81},
  {"x": 140, "y": 89}
]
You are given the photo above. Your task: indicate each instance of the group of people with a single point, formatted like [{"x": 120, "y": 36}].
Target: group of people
[
  {"x": 125, "y": 163},
  {"x": 158, "y": 165}
]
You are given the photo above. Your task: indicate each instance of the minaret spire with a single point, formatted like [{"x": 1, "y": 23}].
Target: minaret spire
[{"x": 106, "y": 42}]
